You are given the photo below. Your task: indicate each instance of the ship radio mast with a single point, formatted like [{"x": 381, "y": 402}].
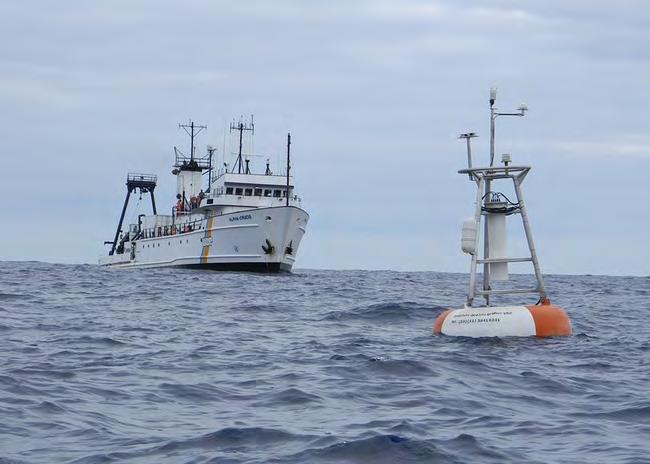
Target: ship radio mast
[
  {"x": 241, "y": 126},
  {"x": 192, "y": 130}
]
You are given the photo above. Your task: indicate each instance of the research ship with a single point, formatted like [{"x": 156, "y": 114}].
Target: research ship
[{"x": 239, "y": 221}]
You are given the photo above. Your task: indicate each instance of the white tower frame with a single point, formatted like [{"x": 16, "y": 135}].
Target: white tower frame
[{"x": 484, "y": 177}]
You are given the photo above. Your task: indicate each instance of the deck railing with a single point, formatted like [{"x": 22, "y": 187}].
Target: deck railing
[
  {"x": 136, "y": 176},
  {"x": 171, "y": 230}
]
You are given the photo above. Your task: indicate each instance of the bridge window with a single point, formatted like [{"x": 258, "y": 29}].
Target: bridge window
[
  {"x": 228, "y": 190},
  {"x": 276, "y": 193},
  {"x": 258, "y": 192},
  {"x": 249, "y": 192},
  {"x": 239, "y": 191},
  {"x": 267, "y": 193}
]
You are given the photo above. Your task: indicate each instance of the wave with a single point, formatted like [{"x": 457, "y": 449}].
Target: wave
[
  {"x": 400, "y": 367},
  {"x": 14, "y": 296},
  {"x": 50, "y": 408},
  {"x": 389, "y": 449},
  {"x": 288, "y": 397},
  {"x": 200, "y": 392},
  {"x": 43, "y": 372},
  {"x": 226, "y": 443},
  {"x": 87, "y": 339},
  {"x": 385, "y": 312},
  {"x": 636, "y": 414},
  {"x": 364, "y": 365},
  {"x": 232, "y": 436}
]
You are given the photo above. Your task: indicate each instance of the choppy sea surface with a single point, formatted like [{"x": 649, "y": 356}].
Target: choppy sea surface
[{"x": 182, "y": 366}]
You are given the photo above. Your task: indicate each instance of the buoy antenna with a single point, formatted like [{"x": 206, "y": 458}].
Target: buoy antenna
[
  {"x": 495, "y": 113},
  {"x": 468, "y": 136}
]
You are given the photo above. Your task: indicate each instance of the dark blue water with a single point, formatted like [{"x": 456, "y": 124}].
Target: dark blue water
[{"x": 175, "y": 366}]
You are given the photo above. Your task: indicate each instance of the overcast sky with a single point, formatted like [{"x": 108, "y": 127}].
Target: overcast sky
[{"x": 374, "y": 94}]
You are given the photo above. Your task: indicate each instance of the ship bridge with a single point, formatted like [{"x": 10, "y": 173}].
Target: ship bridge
[{"x": 232, "y": 190}]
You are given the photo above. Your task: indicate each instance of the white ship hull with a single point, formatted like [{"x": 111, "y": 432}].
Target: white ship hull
[{"x": 260, "y": 240}]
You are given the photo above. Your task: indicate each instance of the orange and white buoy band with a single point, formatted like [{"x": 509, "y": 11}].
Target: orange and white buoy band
[{"x": 505, "y": 321}]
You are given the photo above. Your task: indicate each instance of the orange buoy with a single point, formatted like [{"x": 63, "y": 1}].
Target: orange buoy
[
  {"x": 492, "y": 209},
  {"x": 541, "y": 320}
]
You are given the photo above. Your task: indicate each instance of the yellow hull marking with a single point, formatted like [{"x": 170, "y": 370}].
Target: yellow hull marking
[{"x": 206, "y": 248}]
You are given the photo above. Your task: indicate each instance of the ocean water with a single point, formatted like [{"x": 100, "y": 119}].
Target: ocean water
[{"x": 179, "y": 366}]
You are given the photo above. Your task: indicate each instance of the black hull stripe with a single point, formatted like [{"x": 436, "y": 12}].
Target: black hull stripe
[{"x": 266, "y": 268}]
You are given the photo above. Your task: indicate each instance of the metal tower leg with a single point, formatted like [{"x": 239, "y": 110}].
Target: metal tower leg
[
  {"x": 486, "y": 252},
  {"x": 477, "y": 218},
  {"x": 529, "y": 238}
]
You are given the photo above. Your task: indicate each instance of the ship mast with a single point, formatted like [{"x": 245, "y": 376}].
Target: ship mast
[
  {"x": 241, "y": 126},
  {"x": 192, "y": 130},
  {"x": 288, "y": 164}
]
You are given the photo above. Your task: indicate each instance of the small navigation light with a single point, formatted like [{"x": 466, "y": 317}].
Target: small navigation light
[
  {"x": 506, "y": 158},
  {"x": 523, "y": 108}
]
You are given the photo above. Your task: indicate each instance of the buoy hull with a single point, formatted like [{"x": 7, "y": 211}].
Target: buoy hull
[{"x": 504, "y": 321}]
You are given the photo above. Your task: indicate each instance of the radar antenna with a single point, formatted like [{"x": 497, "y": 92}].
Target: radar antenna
[
  {"x": 241, "y": 126},
  {"x": 192, "y": 130}
]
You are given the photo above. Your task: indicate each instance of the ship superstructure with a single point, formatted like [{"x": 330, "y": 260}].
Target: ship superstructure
[{"x": 240, "y": 220}]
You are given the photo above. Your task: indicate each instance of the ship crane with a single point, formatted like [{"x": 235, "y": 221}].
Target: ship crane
[{"x": 144, "y": 183}]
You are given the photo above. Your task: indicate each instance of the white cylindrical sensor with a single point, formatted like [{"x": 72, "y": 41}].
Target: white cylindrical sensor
[
  {"x": 497, "y": 245},
  {"x": 468, "y": 239}
]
